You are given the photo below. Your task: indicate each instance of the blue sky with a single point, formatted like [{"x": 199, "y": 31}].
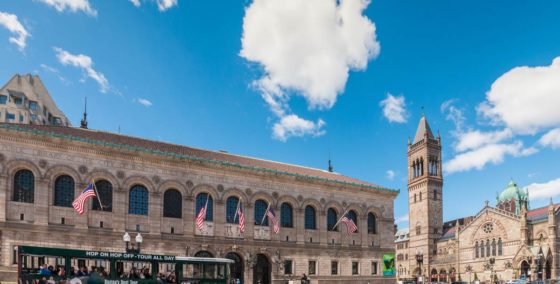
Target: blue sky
[{"x": 296, "y": 80}]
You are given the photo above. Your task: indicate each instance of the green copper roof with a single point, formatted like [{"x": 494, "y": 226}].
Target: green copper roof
[{"x": 512, "y": 191}]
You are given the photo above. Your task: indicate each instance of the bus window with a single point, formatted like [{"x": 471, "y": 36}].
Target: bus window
[{"x": 135, "y": 270}]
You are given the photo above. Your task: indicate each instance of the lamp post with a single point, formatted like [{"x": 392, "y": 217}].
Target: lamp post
[
  {"x": 419, "y": 262},
  {"x": 469, "y": 271},
  {"x": 538, "y": 271},
  {"x": 130, "y": 246},
  {"x": 492, "y": 261}
]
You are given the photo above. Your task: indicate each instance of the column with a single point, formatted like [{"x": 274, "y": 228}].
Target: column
[
  {"x": 155, "y": 213},
  {"x": 4, "y": 196},
  {"x": 41, "y": 200},
  {"x": 299, "y": 225}
]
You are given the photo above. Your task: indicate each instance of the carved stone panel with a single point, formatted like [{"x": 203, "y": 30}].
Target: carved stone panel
[
  {"x": 232, "y": 231},
  {"x": 261, "y": 233},
  {"x": 207, "y": 230}
]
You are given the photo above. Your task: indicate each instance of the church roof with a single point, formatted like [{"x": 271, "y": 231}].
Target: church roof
[
  {"x": 423, "y": 129},
  {"x": 540, "y": 214},
  {"x": 128, "y": 143},
  {"x": 449, "y": 233}
]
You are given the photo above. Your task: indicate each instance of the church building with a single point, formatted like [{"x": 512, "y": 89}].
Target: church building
[{"x": 507, "y": 241}]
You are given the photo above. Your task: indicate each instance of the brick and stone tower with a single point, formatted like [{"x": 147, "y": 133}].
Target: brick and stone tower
[{"x": 425, "y": 184}]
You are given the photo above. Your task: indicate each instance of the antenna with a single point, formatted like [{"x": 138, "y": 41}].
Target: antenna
[
  {"x": 83, "y": 123},
  {"x": 422, "y": 110}
]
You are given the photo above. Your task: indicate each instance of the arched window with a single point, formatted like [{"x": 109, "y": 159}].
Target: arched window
[
  {"x": 500, "y": 246},
  {"x": 138, "y": 200},
  {"x": 435, "y": 194},
  {"x": 201, "y": 200},
  {"x": 105, "y": 191},
  {"x": 494, "y": 247},
  {"x": 332, "y": 218},
  {"x": 203, "y": 253},
  {"x": 481, "y": 248},
  {"x": 260, "y": 210},
  {"x": 64, "y": 191},
  {"x": 371, "y": 224},
  {"x": 24, "y": 186},
  {"x": 488, "y": 248},
  {"x": 310, "y": 218},
  {"x": 476, "y": 255},
  {"x": 286, "y": 215},
  {"x": 172, "y": 204},
  {"x": 421, "y": 196},
  {"x": 415, "y": 198},
  {"x": 231, "y": 208},
  {"x": 352, "y": 215}
]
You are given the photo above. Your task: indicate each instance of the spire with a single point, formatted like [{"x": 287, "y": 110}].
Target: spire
[
  {"x": 330, "y": 164},
  {"x": 83, "y": 122},
  {"x": 423, "y": 130}
]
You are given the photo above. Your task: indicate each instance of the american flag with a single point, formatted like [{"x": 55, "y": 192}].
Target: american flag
[
  {"x": 80, "y": 202},
  {"x": 241, "y": 219},
  {"x": 200, "y": 218},
  {"x": 272, "y": 217},
  {"x": 350, "y": 225}
]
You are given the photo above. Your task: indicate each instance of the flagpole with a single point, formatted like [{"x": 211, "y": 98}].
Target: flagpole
[
  {"x": 205, "y": 211},
  {"x": 97, "y": 193},
  {"x": 340, "y": 219},
  {"x": 264, "y": 216},
  {"x": 236, "y": 210}
]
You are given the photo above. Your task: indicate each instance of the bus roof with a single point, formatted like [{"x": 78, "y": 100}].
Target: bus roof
[
  {"x": 91, "y": 254},
  {"x": 204, "y": 259}
]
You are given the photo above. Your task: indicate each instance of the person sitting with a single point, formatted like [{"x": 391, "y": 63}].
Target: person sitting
[{"x": 44, "y": 271}]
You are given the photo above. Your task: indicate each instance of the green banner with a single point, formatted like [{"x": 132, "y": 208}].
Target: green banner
[{"x": 389, "y": 264}]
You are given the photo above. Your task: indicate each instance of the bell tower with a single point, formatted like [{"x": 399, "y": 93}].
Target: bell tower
[{"x": 425, "y": 185}]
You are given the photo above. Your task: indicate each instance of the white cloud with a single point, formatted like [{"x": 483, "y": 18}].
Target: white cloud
[
  {"x": 525, "y": 99},
  {"x": 72, "y": 5},
  {"x": 474, "y": 139},
  {"x": 166, "y": 4},
  {"x": 402, "y": 219},
  {"x": 163, "y": 5},
  {"x": 306, "y": 48},
  {"x": 294, "y": 126},
  {"x": 394, "y": 108},
  {"x": 143, "y": 102},
  {"x": 12, "y": 24},
  {"x": 135, "y": 3},
  {"x": 551, "y": 139},
  {"x": 453, "y": 113},
  {"x": 489, "y": 153},
  {"x": 85, "y": 63},
  {"x": 391, "y": 174},
  {"x": 544, "y": 190},
  {"x": 56, "y": 72}
]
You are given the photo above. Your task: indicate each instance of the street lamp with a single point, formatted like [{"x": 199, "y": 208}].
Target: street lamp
[
  {"x": 539, "y": 259},
  {"x": 130, "y": 246},
  {"x": 468, "y": 269},
  {"x": 492, "y": 261},
  {"x": 419, "y": 262}
]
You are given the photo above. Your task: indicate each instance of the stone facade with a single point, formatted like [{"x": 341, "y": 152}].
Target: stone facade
[
  {"x": 49, "y": 152},
  {"x": 509, "y": 241}
]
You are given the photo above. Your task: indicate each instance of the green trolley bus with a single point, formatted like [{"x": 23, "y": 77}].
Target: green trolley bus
[{"x": 37, "y": 264}]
